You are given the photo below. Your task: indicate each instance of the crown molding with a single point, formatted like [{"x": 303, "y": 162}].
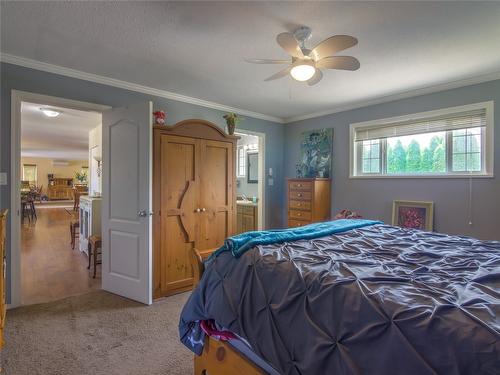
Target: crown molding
[
  {"x": 73, "y": 73},
  {"x": 403, "y": 95}
]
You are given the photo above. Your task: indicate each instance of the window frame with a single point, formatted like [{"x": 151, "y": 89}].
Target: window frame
[
  {"x": 36, "y": 172},
  {"x": 238, "y": 161},
  {"x": 487, "y": 144}
]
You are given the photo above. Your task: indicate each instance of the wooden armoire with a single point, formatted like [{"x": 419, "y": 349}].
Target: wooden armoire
[{"x": 194, "y": 198}]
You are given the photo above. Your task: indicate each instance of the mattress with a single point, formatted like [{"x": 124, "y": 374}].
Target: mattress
[{"x": 375, "y": 300}]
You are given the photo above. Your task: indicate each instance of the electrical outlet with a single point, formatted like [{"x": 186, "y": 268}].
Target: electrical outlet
[{"x": 3, "y": 178}]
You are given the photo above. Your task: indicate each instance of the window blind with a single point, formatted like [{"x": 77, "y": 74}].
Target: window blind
[{"x": 455, "y": 121}]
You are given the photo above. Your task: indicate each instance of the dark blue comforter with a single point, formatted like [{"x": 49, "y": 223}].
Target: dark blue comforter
[{"x": 373, "y": 300}]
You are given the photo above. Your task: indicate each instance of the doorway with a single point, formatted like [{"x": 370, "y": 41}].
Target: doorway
[
  {"x": 52, "y": 168},
  {"x": 250, "y": 181}
]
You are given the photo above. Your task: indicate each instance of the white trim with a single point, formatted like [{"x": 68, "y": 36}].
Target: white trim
[
  {"x": 240, "y": 149},
  {"x": 488, "y": 147},
  {"x": 402, "y": 95},
  {"x": 15, "y": 200},
  {"x": 261, "y": 188},
  {"x": 423, "y": 176},
  {"x": 73, "y": 73},
  {"x": 17, "y": 97}
]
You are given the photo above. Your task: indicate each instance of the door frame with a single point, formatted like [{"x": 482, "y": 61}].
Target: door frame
[
  {"x": 17, "y": 97},
  {"x": 261, "y": 188}
]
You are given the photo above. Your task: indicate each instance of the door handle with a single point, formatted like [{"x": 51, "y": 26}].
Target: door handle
[{"x": 144, "y": 213}]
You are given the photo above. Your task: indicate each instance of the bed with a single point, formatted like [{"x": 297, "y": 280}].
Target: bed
[{"x": 373, "y": 299}]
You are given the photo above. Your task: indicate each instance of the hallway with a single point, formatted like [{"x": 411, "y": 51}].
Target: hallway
[{"x": 50, "y": 269}]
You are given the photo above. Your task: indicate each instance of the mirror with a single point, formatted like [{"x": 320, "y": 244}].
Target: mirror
[{"x": 253, "y": 167}]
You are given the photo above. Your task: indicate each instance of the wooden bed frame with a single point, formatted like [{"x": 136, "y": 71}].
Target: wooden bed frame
[{"x": 218, "y": 358}]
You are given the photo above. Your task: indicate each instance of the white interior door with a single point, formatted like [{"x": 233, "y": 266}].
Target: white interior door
[{"x": 127, "y": 202}]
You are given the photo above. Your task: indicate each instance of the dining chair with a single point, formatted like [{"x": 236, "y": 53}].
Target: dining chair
[
  {"x": 94, "y": 249},
  {"x": 74, "y": 231},
  {"x": 76, "y": 197}
]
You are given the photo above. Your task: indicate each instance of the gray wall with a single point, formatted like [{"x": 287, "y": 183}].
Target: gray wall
[
  {"x": 24, "y": 79},
  {"x": 373, "y": 197}
]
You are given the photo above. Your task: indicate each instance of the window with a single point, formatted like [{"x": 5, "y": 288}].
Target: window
[
  {"x": 30, "y": 174},
  {"x": 241, "y": 164},
  {"x": 451, "y": 142},
  {"x": 370, "y": 156}
]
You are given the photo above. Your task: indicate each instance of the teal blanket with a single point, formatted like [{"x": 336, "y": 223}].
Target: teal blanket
[{"x": 240, "y": 243}]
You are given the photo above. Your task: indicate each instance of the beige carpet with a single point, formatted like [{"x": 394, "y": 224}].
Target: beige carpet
[{"x": 96, "y": 333}]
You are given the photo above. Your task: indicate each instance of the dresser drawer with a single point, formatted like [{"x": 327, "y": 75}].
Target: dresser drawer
[
  {"x": 300, "y": 205},
  {"x": 297, "y": 223},
  {"x": 300, "y": 185},
  {"x": 300, "y": 215},
  {"x": 299, "y": 195}
]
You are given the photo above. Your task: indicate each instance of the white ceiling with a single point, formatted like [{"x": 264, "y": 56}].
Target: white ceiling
[
  {"x": 198, "y": 48},
  {"x": 63, "y": 137}
]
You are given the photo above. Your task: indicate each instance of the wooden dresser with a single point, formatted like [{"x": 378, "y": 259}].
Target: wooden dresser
[
  {"x": 194, "y": 199},
  {"x": 308, "y": 201},
  {"x": 3, "y": 307},
  {"x": 60, "y": 188}
]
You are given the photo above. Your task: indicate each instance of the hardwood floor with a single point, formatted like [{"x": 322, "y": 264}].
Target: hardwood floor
[{"x": 50, "y": 269}]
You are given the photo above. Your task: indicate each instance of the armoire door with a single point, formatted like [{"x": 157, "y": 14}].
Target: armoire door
[
  {"x": 217, "y": 200},
  {"x": 179, "y": 198}
]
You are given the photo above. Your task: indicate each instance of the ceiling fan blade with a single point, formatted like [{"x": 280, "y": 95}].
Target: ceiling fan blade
[
  {"x": 288, "y": 42},
  {"x": 315, "y": 78},
  {"x": 332, "y": 45},
  {"x": 267, "y": 61},
  {"x": 280, "y": 74},
  {"x": 339, "y": 62}
]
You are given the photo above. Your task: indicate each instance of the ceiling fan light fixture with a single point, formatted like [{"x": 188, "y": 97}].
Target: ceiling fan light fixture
[
  {"x": 302, "y": 72},
  {"x": 307, "y": 64}
]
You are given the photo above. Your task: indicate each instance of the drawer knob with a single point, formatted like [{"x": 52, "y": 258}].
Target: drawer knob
[
  {"x": 298, "y": 205},
  {"x": 298, "y": 214},
  {"x": 299, "y": 185},
  {"x": 299, "y": 195}
]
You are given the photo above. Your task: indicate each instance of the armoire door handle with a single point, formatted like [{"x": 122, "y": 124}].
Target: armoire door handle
[
  {"x": 203, "y": 209},
  {"x": 198, "y": 210}
]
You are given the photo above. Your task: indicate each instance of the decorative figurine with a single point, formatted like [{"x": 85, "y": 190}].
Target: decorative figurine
[{"x": 159, "y": 117}]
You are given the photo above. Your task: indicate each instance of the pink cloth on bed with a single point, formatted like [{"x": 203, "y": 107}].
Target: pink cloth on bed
[{"x": 208, "y": 326}]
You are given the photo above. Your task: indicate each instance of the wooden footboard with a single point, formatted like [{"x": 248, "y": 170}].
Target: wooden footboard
[{"x": 218, "y": 357}]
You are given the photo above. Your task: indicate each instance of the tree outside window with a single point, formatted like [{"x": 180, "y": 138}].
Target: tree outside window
[
  {"x": 426, "y": 153},
  {"x": 454, "y": 141}
]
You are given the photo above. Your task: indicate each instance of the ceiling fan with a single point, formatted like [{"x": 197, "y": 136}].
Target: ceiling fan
[{"x": 306, "y": 64}]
